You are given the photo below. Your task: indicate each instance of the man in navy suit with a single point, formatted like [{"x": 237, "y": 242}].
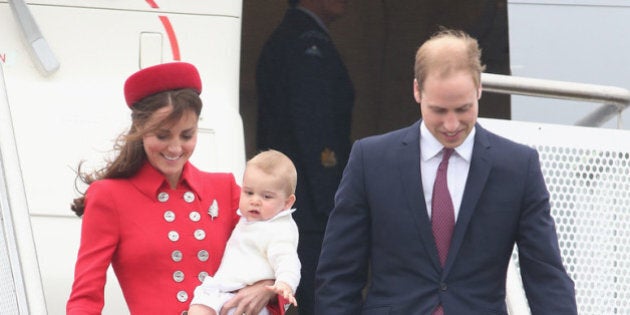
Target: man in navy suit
[
  {"x": 304, "y": 110},
  {"x": 381, "y": 226}
]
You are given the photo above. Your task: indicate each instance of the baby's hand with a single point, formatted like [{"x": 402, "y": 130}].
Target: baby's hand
[{"x": 283, "y": 289}]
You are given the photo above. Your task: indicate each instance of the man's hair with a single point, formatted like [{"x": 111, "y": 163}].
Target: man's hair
[
  {"x": 278, "y": 165},
  {"x": 446, "y": 52}
]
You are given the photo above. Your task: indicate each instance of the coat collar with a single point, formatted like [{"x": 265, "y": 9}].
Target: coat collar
[
  {"x": 281, "y": 214},
  {"x": 480, "y": 166},
  {"x": 409, "y": 173},
  {"x": 314, "y": 16},
  {"x": 150, "y": 181}
]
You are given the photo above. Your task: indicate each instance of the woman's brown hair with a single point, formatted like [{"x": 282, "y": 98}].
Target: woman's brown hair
[{"x": 131, "y": 155}]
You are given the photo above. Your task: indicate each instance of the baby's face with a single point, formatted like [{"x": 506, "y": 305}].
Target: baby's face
[{"x": 262, "y": 195}]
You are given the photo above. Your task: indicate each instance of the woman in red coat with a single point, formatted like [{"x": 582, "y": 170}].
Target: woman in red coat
[{"x": 160, "y": 222}]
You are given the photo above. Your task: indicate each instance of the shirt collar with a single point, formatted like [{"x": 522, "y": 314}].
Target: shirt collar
[
  {"x": 314, "y": 16},
  {"x": 430, "y": 146},
  {"x": 150, "y": 181},
  {"x": 280, "y": 214}
]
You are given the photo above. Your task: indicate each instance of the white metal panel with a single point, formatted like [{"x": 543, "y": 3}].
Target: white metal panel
[
  {"x": 24, "y": 286},
  {"x": 587, "y": 172},
  {"x": 543, "y": 134},
  {"x": 80, "y": 109},
  {"x": 221, "y": 132},
  {"x": 58, "y": 253},
  {"x": 231, "y": 8},
  {"x": 76, "y": 113}
]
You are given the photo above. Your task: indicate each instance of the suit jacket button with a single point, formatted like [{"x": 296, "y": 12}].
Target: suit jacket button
[{"x": 443, "y": 286}]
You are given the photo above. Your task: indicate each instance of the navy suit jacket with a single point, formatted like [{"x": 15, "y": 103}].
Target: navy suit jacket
[{"x": 379, "y": 230}]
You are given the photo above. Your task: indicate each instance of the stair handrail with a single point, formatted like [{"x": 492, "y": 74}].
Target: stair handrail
[{"x": 614, "y": 99}]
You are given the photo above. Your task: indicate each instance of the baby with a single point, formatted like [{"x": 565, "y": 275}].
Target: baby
[{"x": 263, "y": 244}]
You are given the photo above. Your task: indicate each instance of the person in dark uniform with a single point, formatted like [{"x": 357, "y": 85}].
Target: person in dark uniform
[{"x": 305, "y": 107}]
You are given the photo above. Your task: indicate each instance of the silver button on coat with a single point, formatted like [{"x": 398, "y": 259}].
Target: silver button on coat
[
  {"x": 182, "y": 296},
  {"x": 194, "y": 216},
  {"x": 202, "y": 275},
  {"x": 162, "y": 197},
  {"x": 177, "y": 256},
  {"x": 173, "y": 236},
  {"x": 169, "y": 216},
  {"x": 189, "y": 196},
  {"x": 200, "y": 234},
  {"x": 178, "y": 276},
  {"x": 203, "y": 255}
]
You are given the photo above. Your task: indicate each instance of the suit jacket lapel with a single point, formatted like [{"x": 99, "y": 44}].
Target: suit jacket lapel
[
  {"x": 409, "y": 172},
  {"x": 480, "y": 166}
]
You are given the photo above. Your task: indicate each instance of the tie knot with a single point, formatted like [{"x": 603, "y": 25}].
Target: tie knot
[{"x": 446, "y": 153}]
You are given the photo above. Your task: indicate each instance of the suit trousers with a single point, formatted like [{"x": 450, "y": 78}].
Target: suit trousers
[{"x": 309, "y": 247}]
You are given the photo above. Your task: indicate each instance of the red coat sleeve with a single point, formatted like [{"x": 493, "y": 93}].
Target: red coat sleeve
[{"x": 99, "y": 238}]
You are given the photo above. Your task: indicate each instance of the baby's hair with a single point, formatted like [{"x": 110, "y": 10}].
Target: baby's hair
[{"x": 277, "y": 164}]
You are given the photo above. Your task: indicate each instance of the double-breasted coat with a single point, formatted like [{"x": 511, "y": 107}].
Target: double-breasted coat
[{"x": 161, "y": 242}]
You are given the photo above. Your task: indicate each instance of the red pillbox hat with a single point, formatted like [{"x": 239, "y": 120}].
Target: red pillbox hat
[{"x": 160, "y": 78}]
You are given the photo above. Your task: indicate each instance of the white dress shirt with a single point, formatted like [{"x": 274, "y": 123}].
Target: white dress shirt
[{"x": 458, "y": 166}]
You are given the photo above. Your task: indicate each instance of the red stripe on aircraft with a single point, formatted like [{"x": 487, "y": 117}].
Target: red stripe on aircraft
[
  {"x": 171, "y": 36},
  {"x": 152, "y": 4}
]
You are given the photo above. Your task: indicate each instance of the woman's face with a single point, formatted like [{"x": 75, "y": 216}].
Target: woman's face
[{"x": 169, "y": 147}]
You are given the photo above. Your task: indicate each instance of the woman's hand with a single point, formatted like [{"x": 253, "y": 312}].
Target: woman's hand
[{"x": 250, "y": 300}]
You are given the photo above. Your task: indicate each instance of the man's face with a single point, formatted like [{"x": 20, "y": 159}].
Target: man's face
[
  {"x": 449, "y": 106},
  {"x": 333, "y": 9}
]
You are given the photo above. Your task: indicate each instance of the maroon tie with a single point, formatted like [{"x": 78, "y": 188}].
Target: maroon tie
[
  {"x": 442, "y": 211},
  {"x": 442, "y": 214}
]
